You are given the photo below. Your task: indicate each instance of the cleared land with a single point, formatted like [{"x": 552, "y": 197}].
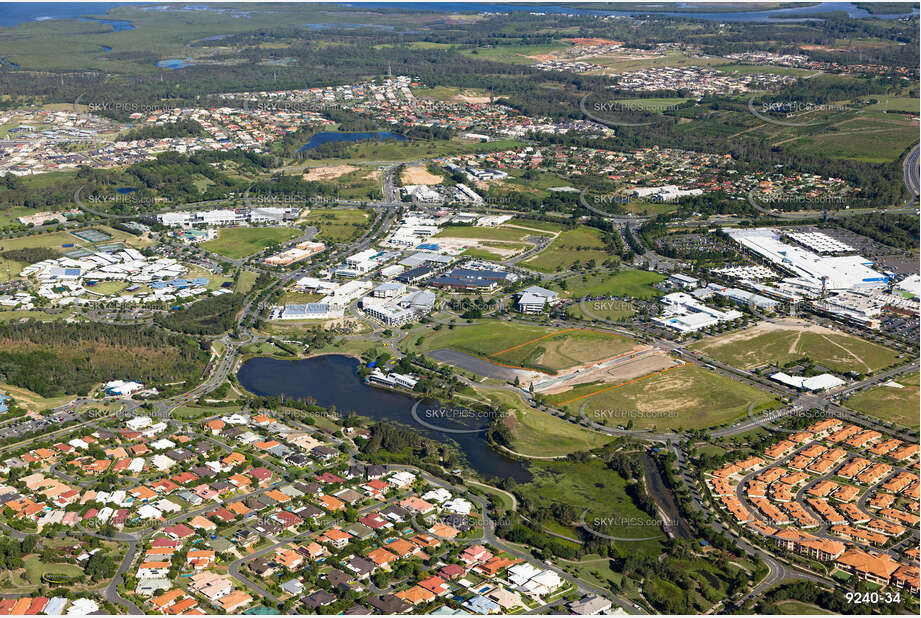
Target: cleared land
[
  {"x": 329, "y": 172},
  {"x": 686, "y": 396},
  {"x": 500, "y": 233},
  {"x": 338, "y": 225},
  {"x": 239, "y": 242},
  {"x": 899, "y": 405},
  {"x": 780, "y": 342},
  {"x": 629, "y": 283},
  {"x": 541, "y": 348},
  {"x": 573, "y": 247},
  {"x": 418, "y": 175}
]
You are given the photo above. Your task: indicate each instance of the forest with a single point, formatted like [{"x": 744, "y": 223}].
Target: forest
[{"x": 54, "y": 359}]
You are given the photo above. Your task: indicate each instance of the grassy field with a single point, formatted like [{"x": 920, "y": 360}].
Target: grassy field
[
  {"x": 339, "y": 225},
  {"x": 660, "y": 104},
  {"x": 486, "y": 233},
  {"x": 899, "y": 405},
  {"x": 688, "y": 397},
  {"x": 33, "y": 401},
  {"x": 613, "y": 311},
  {"x": 564, "y": 350},
  {"x": 543, "y": 348},
  {"x": 513, "y": 54},
  {"x": 35, "y": 569},
  {"x": 757, "y": 346},
  {"x": 546, "y": 226},
  {"x": 631, "y": 283},
  {"x": 601, "y": 490},
  {"x": 904, "y": 104},
  {"x": 240, "y": 242},
  {"x": 572, "y": 247},
  {"x": 539, "y": 434}
]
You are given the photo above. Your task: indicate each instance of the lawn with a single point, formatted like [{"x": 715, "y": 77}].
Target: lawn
[
  {"x": 777, "y": 344},
  {"x": 685, "y": 397},
  {"x": 339, "y": 224},
  {"x": 626, "y": 283},
  {"x": 540, "y": 434},
  {"x": 903, "y": 104},
  {"x": 35, "y": 569},
  {"x": 240, "y": 242},
  {"x": 899, "y": 405},
  {"x": 592, "y": 485},
  {"x": 574, "y": 247},
  {"x": 607, "y": 310}
]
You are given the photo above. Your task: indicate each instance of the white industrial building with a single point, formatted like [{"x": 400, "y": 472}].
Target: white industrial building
[
  {"x": 686, "y": 314},
  {"x": 533, "y": 299},
  {"x": 810, "y": 270},
  {"x": 815, "y": 383},
  {"x": 395, "y": 307}
]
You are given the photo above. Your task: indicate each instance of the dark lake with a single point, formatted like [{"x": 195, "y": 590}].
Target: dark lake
[
  {"x": 333, "y": 380},
  {"x": 325, "y": 137}
]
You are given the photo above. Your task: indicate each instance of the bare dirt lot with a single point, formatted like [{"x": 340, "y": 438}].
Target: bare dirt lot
[
  {"x": 418, "y": 175},
  {"x": 640, "y": 361},
  {"x": 328, "y": 173}
]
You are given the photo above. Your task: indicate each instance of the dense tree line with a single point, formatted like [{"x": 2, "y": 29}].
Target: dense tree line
[
  {"x": 56, "y": 359},
  {"x": 212, "y": 316},
  {"x": 895, "y": 230}
]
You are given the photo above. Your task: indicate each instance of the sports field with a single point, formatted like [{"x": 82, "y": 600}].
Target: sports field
[
  {"x": 516, "y": 345},
  {"x": 783, "y": 341},
  {"x": 899, "y": 405},
  {"x": 686, "y": 396},
  {"x": 240, "y": 242}
]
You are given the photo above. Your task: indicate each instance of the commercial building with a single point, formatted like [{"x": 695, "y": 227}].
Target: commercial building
[
  {"x": 686, "y": 314},
  {"x": 467, "y": 279},
  {"x": 533, "y": 299},
  {"x": 810, "y": 270}
]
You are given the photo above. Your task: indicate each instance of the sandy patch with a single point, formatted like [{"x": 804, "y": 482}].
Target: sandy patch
[
  {"x": 328, "y": 173},
  {"x": 641, "y": 361},
  {"x": 778, "y": 325},
  {"x": 493, "y": 246},
  {"x": 418, "y": 175},
  {"x": 470, "y": 97}
]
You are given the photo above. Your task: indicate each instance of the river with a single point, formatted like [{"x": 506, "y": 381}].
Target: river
[{"x": 332, "y": 380}]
